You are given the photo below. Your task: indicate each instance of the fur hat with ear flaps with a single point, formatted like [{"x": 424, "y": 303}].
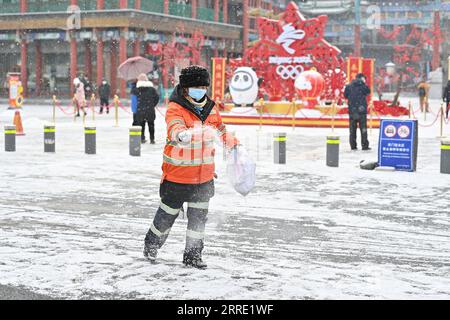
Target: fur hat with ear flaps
[{"x": 194, "y": 76}]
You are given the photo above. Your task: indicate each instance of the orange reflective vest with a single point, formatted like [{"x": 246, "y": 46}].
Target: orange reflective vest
[{"x": 192, "y": 163}]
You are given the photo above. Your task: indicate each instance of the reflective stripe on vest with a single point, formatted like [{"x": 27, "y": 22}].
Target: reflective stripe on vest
[
  {"x": 195, "y": 234},
  {"x": 192, "y": 145},
  {"x": 199, "y": 205},
  {"x": 174, "y": 132},
  {"x": 157, "y": 232},
  {"x": 168, "y": 209},
  {"x": 175, "y": 121},
  {"x": 222, "y": 129},
  {"x": 188, "y": 162}
]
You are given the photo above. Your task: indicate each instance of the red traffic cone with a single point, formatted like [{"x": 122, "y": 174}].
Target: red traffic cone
[{"x": 18, "y": 124}]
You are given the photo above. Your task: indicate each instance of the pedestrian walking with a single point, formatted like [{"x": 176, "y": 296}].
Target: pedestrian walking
[
  {"x": 80, "y": 98},
  {"x": 188, "y": 164},
  {"x": 424, "y": 89},
  {"x": 147, "y": 100},
  {"x": 104, "y": 91},
  {"x": 446, "y": 98},
  {"x": 356, "y": 93}
]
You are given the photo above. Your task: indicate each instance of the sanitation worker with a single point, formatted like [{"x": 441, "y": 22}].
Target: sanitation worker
[{"x": 192, "y": 121}]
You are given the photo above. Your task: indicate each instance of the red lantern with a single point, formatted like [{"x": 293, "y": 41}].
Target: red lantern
[{"x": 309, "y": 86}]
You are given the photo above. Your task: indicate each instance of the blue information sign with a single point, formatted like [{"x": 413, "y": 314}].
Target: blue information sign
[{"x": 397, "y": 146}]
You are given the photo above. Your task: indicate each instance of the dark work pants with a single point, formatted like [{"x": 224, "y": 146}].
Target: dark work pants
[
  {"x": 360, "y": 120},
  {"x": 104, "y": 102},
  {"x": 151, "y": 129},
  {"x": 173, "y": 196}
]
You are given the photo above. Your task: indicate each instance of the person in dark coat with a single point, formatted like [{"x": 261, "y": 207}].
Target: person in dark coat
[
  {"x": 104, "y": 91},
  {"x": 147, "y": 100},
  {"x": 87, "y": 87},
  {"x": 356, "y": 93},
  {"x": 446, "y": 98}
]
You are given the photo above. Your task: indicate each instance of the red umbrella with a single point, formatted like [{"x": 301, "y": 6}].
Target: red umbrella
[{"x": 133, "y": 67}]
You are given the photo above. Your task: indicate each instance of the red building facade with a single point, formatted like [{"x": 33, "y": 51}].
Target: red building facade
[{"x": 94, "y": 37}]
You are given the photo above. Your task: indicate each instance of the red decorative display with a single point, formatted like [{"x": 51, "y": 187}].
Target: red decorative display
[
  {"x": 335, "y": 81},
  {"x": 384, "y": 108},
  {"x": 286, "y": 48},
  {"x": 365, "y": 66},
  {"x": 391, "y": 35},
  {"x": 154, "y": 49},
  {"x": 171, "y": 53},
  {"x": 309, "y": 86},
  {"x": 409, "y": 54},
  {"x": 218, "y": 76}
]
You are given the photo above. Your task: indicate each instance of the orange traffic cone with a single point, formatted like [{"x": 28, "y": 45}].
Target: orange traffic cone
[{"x": 18, "y": 124}]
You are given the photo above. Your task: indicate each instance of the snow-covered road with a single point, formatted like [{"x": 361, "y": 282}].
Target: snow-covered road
[{"x": 72, "y": 225}]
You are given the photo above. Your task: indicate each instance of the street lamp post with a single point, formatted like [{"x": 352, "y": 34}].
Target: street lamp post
[{"x": 390, "y": 70}]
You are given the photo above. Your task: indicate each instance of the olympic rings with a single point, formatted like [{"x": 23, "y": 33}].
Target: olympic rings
[{"x": 289, "y": 72}]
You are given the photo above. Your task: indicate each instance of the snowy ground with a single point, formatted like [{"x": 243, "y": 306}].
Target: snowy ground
[{"x": 72, "y": 225}]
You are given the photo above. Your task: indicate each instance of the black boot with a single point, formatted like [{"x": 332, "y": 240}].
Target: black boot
[
  {"x": 150, "y": 252},
  {"x": 193, "y": 258}
]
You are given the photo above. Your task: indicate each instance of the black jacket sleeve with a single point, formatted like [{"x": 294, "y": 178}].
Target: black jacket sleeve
[
  {"x": 367, "y": 90},
  {"x": 346, "y": 91},
  {"x": 155, "y": 97}
]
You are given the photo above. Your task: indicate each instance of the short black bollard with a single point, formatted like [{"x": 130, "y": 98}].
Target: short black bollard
[
  {"x": 333, "y": 151},
  {"x": 49, "y": 138},
  {"x": 445, "y": 156},
  {"x": 135, "y": 141},
  {"x": 90, "y": 140},
  {"x": 279, "y": 148},
  {"x": 10, "y": 138}
]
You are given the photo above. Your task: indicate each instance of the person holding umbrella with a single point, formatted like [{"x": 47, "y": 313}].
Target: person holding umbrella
[
  {"x": 130, "y": 70},
  {"x": 133, "y": 67}
]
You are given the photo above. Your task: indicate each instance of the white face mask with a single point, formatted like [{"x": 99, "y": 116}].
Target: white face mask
[
  {"x": 104, "y": 82},
  {"x": 197, "y": 93}
]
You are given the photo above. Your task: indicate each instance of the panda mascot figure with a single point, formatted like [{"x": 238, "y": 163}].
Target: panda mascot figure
[{"x": 244, "y": 87}]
